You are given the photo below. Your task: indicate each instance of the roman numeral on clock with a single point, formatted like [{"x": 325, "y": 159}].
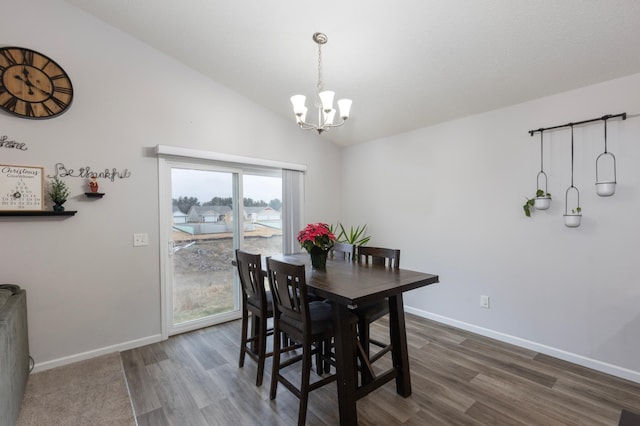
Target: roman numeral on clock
[
  {"x": 65, "y": 90},
  {"x": 58, "y": 102},
  {"x": 10, "y": 104},
  {"x": 29, "y": 110},
  {"x": 27, "y": 57},
  {"x": 46, "y": 108},
  {"x": 7, "y": 55}
]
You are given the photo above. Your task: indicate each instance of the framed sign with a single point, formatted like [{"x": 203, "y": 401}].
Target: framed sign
[{"x": 21, "y": 188}]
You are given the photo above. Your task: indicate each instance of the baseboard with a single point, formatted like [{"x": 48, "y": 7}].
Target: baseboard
[
  {"x": 603, "y": 367},
  {"x": 96, "y": 352}
]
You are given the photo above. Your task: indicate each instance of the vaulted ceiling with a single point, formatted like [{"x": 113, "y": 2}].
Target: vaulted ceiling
[{"x": 406, "y": 64}]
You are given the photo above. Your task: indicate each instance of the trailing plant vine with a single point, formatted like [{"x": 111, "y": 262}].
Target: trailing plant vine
[{"x": 531, "y": 201}]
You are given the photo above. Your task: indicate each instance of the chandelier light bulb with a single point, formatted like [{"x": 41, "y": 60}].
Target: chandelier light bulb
[
  {"x": 298, "y": 104},
  {"x": 345, "y": 108},
  {"x": 329, "y": 116},
  {"x": 326, "y": 98}
]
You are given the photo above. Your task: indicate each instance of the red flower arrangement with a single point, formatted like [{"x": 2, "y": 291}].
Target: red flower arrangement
[{"x": 316, "y": 235}]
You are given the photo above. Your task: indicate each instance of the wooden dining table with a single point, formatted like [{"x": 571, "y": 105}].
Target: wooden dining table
[{"x": 348, "y": 284}]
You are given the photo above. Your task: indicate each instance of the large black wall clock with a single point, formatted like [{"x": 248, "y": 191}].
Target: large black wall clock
[{"x": 32, "y": 85}]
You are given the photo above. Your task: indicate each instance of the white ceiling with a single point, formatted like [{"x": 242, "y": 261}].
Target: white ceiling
[{"x": 406, "y": 64}]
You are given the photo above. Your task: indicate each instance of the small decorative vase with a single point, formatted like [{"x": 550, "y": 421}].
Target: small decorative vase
[
  {"x": 58, "y": 208},
  {"x": 318, "y": 258},
  {"x": 93, "y": 185}
]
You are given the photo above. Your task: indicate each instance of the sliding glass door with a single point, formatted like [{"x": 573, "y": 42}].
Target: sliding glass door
[{"x": 208, "y": 222}]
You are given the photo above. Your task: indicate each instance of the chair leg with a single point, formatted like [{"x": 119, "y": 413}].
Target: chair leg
[
  {"x": 304, "y": 386},
  {"x": 363, "y": 336},
  {"x": 275, "y": 371},
  {"x": 254, "y": 332},
  {"x": 243, "y": 338},
  {"x": 262, "y": 343},
  {"x": 327, "y": 353},
  {"x": 319, "y": 359}
]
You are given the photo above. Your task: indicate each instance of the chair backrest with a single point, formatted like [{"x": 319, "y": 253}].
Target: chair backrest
[
  {"x": 289, "y": 290},
  {"x": 251, "y": 277},
  {"x": 379, "y": 256},
  {"x": 343, "y": 251}
]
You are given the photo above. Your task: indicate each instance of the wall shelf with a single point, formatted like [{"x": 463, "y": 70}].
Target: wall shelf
[
  {"x": 37, "y": 213},
  {"x": 94, "y": 194}
]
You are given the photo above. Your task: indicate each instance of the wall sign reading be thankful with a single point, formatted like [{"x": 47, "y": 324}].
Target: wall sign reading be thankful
[{"x": 86, "y": 173}]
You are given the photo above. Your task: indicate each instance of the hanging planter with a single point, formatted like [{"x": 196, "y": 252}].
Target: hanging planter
[
  {"x": 573, "y": 219},
  {"x": 542, "y": 200},
  {"x": 604, "y": 187}
]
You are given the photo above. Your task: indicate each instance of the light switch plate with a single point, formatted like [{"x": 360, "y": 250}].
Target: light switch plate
[
  {"x": 484, "y": 301},
  {"x": 140, "y": 240}
]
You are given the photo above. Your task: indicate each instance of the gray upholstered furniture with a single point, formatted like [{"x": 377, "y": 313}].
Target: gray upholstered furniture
[{"x": 14, "y": 351}]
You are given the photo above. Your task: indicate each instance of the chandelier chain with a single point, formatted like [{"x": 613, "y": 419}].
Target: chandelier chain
[{"x": 319, "y": 68}]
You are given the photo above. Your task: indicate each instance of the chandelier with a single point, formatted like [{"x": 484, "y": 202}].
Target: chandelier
[{"x": 324, "y": 100}]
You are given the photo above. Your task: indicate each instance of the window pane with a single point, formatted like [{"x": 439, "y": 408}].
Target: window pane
[
  {"x": 203, "y": 277},
  {"x": 262, "y": 214}
]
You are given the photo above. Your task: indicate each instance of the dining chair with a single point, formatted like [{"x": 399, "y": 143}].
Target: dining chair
[
  {"x": 257, "y": 300},
  {"x": 344, "y": 251},
  {"x": 369, "y": 313},
  {"x": 307, "y": 324}
]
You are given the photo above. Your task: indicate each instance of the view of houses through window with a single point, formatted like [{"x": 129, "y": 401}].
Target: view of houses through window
[{"x": 203, "y": 236}]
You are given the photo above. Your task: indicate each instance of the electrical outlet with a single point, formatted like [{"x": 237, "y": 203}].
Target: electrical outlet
[
  {"x": 140, "y": 240},
  {"x": 484, "y": 301}
]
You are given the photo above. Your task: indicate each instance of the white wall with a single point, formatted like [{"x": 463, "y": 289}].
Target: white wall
[
  {"x": 450, "y": 196},
  {"x": 89, "y": 290}
]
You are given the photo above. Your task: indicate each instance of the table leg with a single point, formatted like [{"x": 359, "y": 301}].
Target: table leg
[
  {"x": 400, "y": 353},
  {"x": 345, "y": 366}
]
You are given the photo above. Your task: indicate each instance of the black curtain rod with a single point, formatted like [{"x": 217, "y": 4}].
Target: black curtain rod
[{"x": 604, "y": 118}]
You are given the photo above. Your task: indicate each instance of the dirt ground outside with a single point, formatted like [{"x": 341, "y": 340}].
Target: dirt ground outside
[{"x": 203, "y": 273}]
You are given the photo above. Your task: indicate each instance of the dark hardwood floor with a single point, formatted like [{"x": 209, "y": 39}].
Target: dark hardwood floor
[{"x": 458, "y": 378}]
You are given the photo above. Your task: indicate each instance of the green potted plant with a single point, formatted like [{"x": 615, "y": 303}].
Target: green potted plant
[
  {"x": 355, "y": 236},
  {"x": 59, "y": 192},
  {"x": 541, "y": 201}
]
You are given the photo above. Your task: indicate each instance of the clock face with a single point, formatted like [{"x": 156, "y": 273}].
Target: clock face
[{"x": 32, "y": 85}]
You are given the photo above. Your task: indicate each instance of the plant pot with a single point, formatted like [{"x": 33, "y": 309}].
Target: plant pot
[
  {"x": 542, "y": 203},
  {"x": 572, "y": 220},
  {"x": 318, "y": 258},
  {"x": 58, "y": 208},
  {"x": 605, "y": 189}
]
